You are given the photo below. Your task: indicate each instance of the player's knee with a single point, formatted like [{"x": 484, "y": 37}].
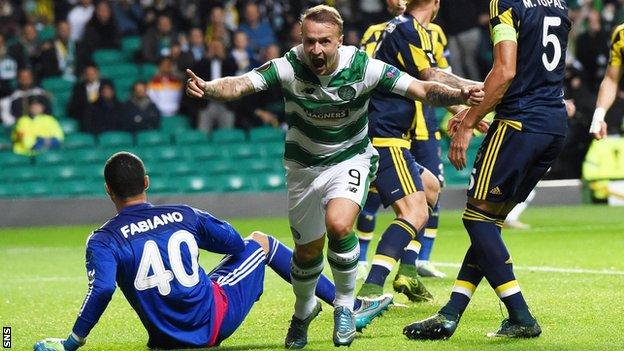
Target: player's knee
[
  {"x": 432, "y": 187},
  {"x": 261, "y": 238},
  {"x": 338, "y": 227}
]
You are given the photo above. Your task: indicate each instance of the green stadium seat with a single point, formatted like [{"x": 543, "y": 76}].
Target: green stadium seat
[
  {"x": 216, "y": 167},
  {"x": 6, "y": 189},
  {"x": 115, "y": 139},
  {"x": 52, "y": 158},
  {"x": 197, "y": 184},
  {"x": 33, "y": 189},
  {"x": 76, "y": 188},
  {"x": 201, "y": 152},
  {"x": 161, "y": 153},
  {"x": 120, "y": 71},
  {"x": 270, "y": 181},
  {"x": 5, "y": 143},
  {"x": 123, "y": 87},
  {"x": 234, "y": 183},
  {"x": 106, "y": 57},
  {"x": 62, "y": 172},
  {"x": 130, "y": 45},
  {"x": 9, "y": 159},
  {"x": 262, "y": 134},
  {"x": 174, "y": 124},
  {"x": 86, "y": 156},
  {"x": 172, "y": 168},
  {"x": 255, "y": 165},
  {"x": 162, "y": 185},
  {"x": 228, "y": 136},
  {"x": 91, "y": 172},
  {"x": 57, "y": 85},
  {"x": 272, "y": 149},
  {"x": 241, "y": 151},
  {"x": 190, "y": 137},
  {"x": 46, "y": 33},
  {"x": 23, "y": 174},
  {"x": 148, "y": 71},
  {"x": 152, "y": 138},
  {"x": 68, "y": 125},
  {"x": 79, "y": 141}
]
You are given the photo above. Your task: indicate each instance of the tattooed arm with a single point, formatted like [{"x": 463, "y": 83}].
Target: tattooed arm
[
  {"x": 433, "y": 74},
  {"x": 222, "y": 89},
  {"x": 437, "y": 94}
]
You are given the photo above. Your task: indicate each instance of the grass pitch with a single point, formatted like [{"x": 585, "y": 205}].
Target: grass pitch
[{"x": 570, "y": 267}]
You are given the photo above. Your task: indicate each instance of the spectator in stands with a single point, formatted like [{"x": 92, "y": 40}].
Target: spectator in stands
[
  {"x": 78, "y": 18},
  {"x": 129, "y": 16},
  {"x": 216, "y": 64},
  {"x": 139, "y": 113},
  {"x": 102, "y": 31},
  {"x": 58, "y": 56},
  {"x": 294, "y": 36},
  {"x": 102, "y": 115},
  {"x": 165, "y": 88},
  {"x": 26, "y": 50},
  {"x": 242, "y": 54},
  {"x": 258, "y": 31},
  {"x": 85, "y": 92},
  {"x": 10, "y": 15},
  {"x": 36, "y": 131},
  {"x": 158, "y": 40},
  {"x": 168, "y": 8},
  {"x": 592, "y": 50},
  {"x": 16, "y": 104},
  {"x": 8, "y": 69},
  {"x": 196, "y": 45},
  {"x": 181, "y": 60},
  {"x": 264, "y": 108},
  {"x": 460, "y": 20},
  {"x": 217, "y": 28}
]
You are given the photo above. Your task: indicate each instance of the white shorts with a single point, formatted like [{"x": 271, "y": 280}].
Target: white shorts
[{"x": 310, "y": 189}]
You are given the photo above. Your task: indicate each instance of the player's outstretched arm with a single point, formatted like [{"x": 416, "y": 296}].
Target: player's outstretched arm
[
  {"x": 222, "y": 89},
  {"x": 606, "y": 97},
  {"x": 438, "y": 94},
  {"x": 435, "y": 74}
]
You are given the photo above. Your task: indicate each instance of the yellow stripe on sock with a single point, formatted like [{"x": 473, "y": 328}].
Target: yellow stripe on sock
[
  {"x": 384, "y": 261},
  {"x": 507, "y": 289},
  {"x": 365, "y": 236},
  {"x": 464, "y": 287},
  {"x": 431, "y": 233},
  {"x": 414, "y": 246},
  {"x": 407, "y": 228}
]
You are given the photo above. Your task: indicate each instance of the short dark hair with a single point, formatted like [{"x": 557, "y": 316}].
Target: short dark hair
[{"x": 124, "y": 174}]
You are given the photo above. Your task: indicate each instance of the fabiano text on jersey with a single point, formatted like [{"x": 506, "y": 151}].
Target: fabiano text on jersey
[
  {"x": 549, "y": 3},
  {"x": 149, "y": 224}
]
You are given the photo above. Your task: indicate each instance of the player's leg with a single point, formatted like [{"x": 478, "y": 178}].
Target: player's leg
[
  {"x": 306, "y": 223},
  {"x": 428, "y": 154},
  {"x": 408, "y": 268},
  {"x": 365, "y": 228},
  {"x": 400, "y": 185},
  {"x": 344, "y": 194}
]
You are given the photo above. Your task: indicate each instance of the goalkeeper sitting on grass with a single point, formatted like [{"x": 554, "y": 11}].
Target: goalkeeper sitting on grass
[{"x": 152, "y": 253}]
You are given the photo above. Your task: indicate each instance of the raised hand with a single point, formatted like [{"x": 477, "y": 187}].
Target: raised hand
[{"x": 195, "y": 86}]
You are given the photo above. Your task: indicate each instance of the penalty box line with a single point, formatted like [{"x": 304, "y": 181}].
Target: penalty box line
[{"x": 546, "y": 269}]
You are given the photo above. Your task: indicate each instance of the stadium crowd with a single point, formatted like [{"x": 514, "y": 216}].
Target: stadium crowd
[{"x": 61, "y": 38}]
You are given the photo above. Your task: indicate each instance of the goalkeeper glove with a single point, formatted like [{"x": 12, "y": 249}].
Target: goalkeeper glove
[{"x": 72, "y": 343}]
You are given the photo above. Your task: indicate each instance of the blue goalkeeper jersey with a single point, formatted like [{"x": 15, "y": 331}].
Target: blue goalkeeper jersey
[{"x": 152, "y": 253}]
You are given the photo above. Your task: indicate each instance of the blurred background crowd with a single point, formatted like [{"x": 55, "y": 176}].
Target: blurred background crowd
[{"x": 119, "y": 65}]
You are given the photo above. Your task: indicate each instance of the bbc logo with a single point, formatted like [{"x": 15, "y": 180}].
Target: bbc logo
[{"x": 6, "y": 337}]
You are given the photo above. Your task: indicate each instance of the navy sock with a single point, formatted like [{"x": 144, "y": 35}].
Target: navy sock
[
  {"x": 391, "y": 247},
  {"x": 279, "y": 258},
  {"x": 494, "y": 260},
  {"x": 365, "y": 225},
  {"x": 468, "y": 279},
  {"x": 431, "y": 231},
  {"x": 412, "y": 253}
]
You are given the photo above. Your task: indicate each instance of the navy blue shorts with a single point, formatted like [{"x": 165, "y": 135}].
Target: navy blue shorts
[
  {"x": 398, "y": 174},
  {"x": 510, "y": 162},
  {"x": 428, "y": 154},
  {"x": 242, "y": 278}
]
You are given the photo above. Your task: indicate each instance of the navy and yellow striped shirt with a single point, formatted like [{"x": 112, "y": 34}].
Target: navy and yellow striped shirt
[
  {"x": 406, "y": 44},
  {"x": 617, "y": 46}
]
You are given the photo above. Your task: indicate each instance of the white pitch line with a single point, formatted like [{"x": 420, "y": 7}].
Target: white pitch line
[{"x": 546, "y": 269}]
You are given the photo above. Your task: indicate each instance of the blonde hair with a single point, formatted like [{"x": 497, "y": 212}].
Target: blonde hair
[{"x": 323, "y": 14}]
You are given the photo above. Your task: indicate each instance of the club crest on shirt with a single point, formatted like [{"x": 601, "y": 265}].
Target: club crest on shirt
[{"x": 346, "y": 92}]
